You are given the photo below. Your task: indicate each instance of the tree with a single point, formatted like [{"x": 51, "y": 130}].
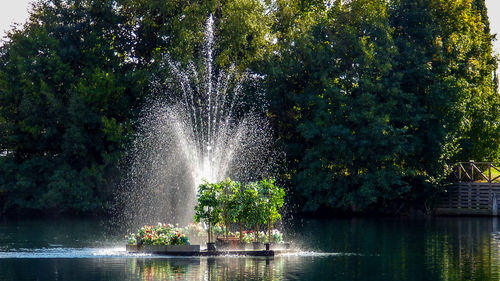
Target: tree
[
  {"x": 176, "y": 28},
  {"x": 74, "y": 76},
  {"x": 341, "y": 103},
  {"x": 228, "y": 202},
  {"x": 371, "y": 98},
  {"x": 67, "y": 95},
  {"x": 208, "y": 207},
  {"x": 446, "y": 65},
  {"x": 244, "y": 198},
  {"x": 273, "y": 196}
]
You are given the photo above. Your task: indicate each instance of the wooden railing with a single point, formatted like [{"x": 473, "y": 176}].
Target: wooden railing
[
  {"x": 474, "y": 190},
  {"x": 475, "y": 172}
]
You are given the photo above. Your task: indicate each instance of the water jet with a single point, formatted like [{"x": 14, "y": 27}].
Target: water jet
[{"x": 201, "y": 122}]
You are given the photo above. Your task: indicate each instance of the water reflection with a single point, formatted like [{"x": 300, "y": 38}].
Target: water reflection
[
  {"x": 163, "y": 269},
  {"x": 211, "y": 269},
  {"x": 464, "y": 249},
  {"x": 350, "y": 249}
]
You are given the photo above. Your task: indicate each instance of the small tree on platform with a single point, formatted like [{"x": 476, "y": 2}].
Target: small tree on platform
[
  {"x": 256, "y": 214},
  {"x": 228, "y": 202},
  {"x": 208, "y": 205},
  {"x": 273, "y": 200},
  {"x": 256, "y": 204}
]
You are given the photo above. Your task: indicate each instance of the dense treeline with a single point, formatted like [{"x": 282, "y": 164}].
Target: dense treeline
[
  {"x": 373, "y": 97},
  {"x": 368, "y": 98}
]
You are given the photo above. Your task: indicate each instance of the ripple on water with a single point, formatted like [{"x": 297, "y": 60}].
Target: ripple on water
[
  {"x": 49, "y": 253},
  {"x": 316, "y": 254},
  {"x": 119, "y": 252}
]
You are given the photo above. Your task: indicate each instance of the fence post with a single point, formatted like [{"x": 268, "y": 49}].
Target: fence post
[
  {"x": 489, "y": 172},
  {"x": 471, "y": 164}
]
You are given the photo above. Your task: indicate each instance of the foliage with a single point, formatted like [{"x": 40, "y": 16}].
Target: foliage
[
  {"x": 250, "y": 236},
  {"x": 273, "y": 196},
  {"x": 371, "y": 98},
  {"x": 273, "y": 200},
  {"x": 208, "y": 208},
  {"x": 72, "y": 80},
  {"x": 195, "y": 232},
  {"x": 225, "y": 202},
  {"x": 344, "y": 106},
  {"x": 228, "y": 203},
  {"x": 264, "y": 199},
  {"x": 176, "y": 27},
  {"x": 244, "y": 208},
  {"x": 131, "y": 239},
  {"x": 368, "y": 98},
  {"x": 160, "y": 234},
  {"x": 66, "y": 94},
  {"x": 254, "y": 210}
]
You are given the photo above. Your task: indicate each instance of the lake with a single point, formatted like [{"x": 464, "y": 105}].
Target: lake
[{"x": 331, "y": 249}]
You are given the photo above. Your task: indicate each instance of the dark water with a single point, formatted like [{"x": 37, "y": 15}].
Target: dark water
[{"x": 351, "y": 249}]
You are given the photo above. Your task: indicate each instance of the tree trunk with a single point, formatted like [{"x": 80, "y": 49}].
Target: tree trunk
[
  {"x": 269, "y": 232},
  {"x": 241, "y": 233},
  {"x": 227, "y": 228},
  {"x": 257, "y": 233},
  {"x": 208, "y": 234}
]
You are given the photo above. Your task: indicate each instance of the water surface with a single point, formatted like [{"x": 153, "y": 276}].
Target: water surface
[{"x": 341, "y": 249}]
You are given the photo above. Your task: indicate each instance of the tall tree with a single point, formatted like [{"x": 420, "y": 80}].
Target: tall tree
[
  {"x": 72, "y": 79},
  {"x": 447, "y": 65},
  {"x": 373, "y": 98},
  {"x": 176, "y": 28},
  {"x": 344, "y": 103},
  {"x": 66, "y": 94}
]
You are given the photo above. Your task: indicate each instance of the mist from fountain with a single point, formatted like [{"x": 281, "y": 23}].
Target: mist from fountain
[{"x": 199, "y": 124}]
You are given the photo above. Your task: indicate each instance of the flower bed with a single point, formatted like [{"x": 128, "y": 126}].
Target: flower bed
[
  {"x": 158, "y": 235},
  {"x": 223, "y": 206},
  {"x": 165, "y": 239},
  {"x": 195, "y": 232},
  {"x": 250, "y": 236}
]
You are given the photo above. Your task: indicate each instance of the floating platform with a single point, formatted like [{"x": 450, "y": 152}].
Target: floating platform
[{"x": 194, "y": 251}]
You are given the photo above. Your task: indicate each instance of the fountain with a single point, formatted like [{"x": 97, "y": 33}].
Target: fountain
[{"x": 198, "y": 124}]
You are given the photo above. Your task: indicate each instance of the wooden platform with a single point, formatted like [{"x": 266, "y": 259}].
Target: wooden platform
[
  {"x": 205, "y": 253},
  {"x": 260, "y": 253},
  {"x": 474, "y": 191},
  {"x": 249, "y": 253},
  {"x": 469, "y": 198}
]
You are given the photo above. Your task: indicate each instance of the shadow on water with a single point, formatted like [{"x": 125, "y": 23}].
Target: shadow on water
[{"x": 348, "y": 249}]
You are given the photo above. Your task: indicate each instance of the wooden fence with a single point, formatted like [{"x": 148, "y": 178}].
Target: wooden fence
[
  {"x": 475, "y": 191},
  {"x": 475, "y": 172}
]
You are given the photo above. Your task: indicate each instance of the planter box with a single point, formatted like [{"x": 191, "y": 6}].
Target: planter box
[
  {"x": 227, "y": 243},
  {"x": 132, "y": 248},
  {"x": 170, "y": 248},
  {"x": 183, "y": 248}
]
